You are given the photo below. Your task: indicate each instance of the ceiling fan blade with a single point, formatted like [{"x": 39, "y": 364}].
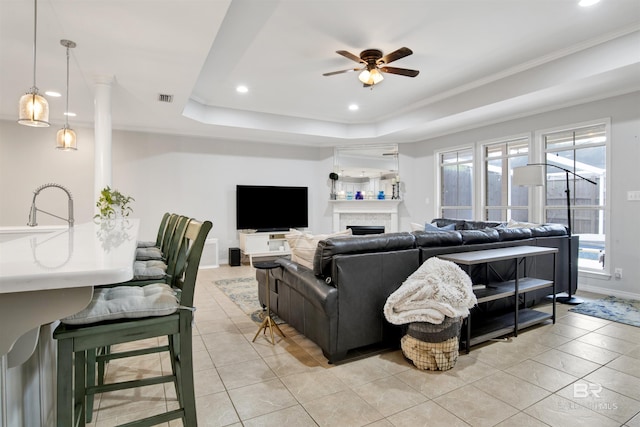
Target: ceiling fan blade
[
  {"x": 341, "y": 71},
  {"x": 395, "y": 55},
  {"x": 349, "y": 55},
  {"x": 400, "y": 71}
]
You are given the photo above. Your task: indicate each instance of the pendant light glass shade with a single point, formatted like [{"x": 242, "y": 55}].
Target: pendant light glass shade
[
  {"x": 33, "y": 109},
  {"x": 66, "y": 137}
]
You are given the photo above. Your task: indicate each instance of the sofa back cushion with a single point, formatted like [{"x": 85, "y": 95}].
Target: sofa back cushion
[
  {"x": 371, "y": 243},
  {"x": 473, "y": 237},
  {"x": 437, "y": 238}
]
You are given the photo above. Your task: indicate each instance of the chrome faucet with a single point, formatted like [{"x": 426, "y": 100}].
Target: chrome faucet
[{"x": 32, "y": 213}]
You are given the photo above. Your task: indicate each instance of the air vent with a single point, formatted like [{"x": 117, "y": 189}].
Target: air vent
[{"x": 163, "y": 97}]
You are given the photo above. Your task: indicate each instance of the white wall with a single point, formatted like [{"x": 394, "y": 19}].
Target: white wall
[
  {"x": 197, "y": 177},
  {"x": 186, "y": 175},
  {"x": 623, "y": 174}
]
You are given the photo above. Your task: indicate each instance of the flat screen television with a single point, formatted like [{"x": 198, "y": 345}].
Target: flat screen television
[{"x": 271, "y": 208}]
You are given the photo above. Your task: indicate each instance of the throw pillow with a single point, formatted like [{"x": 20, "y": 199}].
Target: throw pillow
[
  {"x": 417, "y": 227},
  {"x": 516, "y": 224},
  {"x": 434, "y": 227},
  {"x": 303, "y": 245}
]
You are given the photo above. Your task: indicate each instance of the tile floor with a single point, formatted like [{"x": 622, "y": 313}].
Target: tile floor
[{"x": 582, "y": 371}]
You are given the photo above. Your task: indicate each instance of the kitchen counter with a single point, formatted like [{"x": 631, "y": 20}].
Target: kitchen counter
[{"x": 47, "y": 276}]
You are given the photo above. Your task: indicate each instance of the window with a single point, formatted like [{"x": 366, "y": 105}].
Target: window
[
  {"x": 582, "y": 151},
  {"x": 456, "y": 184},
  {"x": 502, "y": 201}
]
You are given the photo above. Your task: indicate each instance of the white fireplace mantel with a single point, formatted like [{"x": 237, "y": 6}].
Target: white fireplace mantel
[{"x": 365, "y": 212}]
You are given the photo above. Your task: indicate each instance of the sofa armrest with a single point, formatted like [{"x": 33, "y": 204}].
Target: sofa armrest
[{"x": 312, "y": 288}]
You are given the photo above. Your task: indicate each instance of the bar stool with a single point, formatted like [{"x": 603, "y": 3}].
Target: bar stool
[
  {"x": 131, "y": 313},
  {"x": 268, "y": 321}
]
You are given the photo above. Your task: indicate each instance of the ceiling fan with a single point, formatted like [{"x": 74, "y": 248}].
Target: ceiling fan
[{"x": 375, "y": 64}]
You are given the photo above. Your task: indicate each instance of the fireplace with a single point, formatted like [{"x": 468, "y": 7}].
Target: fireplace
[
  {"x": 358, "y": 230},
  {"x": 382, "y": 213}
]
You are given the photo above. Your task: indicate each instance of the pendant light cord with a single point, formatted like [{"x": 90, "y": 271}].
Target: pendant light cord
[
  {"x": 66, "y": 114},
  {"x": 35, "y": 26}
]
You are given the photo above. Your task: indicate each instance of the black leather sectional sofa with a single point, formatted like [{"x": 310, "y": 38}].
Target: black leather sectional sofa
[{"x": 339, "y": 304}]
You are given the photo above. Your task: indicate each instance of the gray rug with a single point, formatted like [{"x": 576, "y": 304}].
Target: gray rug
[
  {"x": 620, "y": 310},
  {"x": 243, "y": 291}
]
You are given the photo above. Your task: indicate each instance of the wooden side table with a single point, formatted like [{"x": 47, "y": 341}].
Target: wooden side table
[{"x": 268, "y": 321}]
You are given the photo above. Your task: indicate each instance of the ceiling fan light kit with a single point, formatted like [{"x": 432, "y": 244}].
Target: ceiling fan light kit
[{"x": 375, "y": 64}]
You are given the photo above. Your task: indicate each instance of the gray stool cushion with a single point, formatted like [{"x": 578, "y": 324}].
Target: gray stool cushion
[
  {"x": 127, "y": 302},
  {"x": 149, "y": 270}
]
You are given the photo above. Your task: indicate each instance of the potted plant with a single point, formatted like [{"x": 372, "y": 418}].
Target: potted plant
[{"x": 113, "y": 204}]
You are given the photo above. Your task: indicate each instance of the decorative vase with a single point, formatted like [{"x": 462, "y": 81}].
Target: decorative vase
[{"x": 380, "y": 195}]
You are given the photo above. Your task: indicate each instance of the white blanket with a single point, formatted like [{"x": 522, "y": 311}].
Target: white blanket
[{"x": 437, "y": 289}]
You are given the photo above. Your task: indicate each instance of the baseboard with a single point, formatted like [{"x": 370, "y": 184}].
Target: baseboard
[{"x": 607, "y": 291}]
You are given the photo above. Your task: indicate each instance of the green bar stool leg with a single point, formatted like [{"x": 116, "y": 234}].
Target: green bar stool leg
[
  {"x": 91, "y": 380},
  {"x": 79, "y": 387},
  {"x": 64, "y": 387},
  {"x": 185, "y": 372}
]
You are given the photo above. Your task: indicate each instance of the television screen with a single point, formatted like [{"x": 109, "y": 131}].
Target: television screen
[{"x": 271, "y": 208}]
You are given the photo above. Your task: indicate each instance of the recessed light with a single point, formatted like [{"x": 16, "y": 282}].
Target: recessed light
[
  {"x": 53, "y": 94},
  {"x": 353, "y": 107},
  {"x": 587, "y": 3},
  {"x": 242, "y": 89}
]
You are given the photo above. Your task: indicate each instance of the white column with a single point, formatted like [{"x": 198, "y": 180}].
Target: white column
[{"x": 102, "y": 134}]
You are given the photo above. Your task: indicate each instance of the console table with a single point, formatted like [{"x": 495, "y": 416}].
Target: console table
[{"x": 520, "y": 318}]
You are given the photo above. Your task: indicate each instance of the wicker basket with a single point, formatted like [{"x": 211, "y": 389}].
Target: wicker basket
[{"x": 432, "y": 347}]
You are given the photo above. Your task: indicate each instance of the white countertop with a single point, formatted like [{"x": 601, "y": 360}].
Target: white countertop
[{"x": 86, "y": 255}]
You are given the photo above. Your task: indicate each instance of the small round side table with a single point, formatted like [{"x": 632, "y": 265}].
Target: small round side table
[{"x": 268, "y": 321}]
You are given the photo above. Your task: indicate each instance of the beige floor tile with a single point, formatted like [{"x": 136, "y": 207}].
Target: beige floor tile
[
  {"x": 431, "y": 383},
  {"x": 589, "y": 352},
  {"x": 568, "y": 330},
  {"x": 207, "y": 382},
  {"x": 607, "y": 342},
  {"x": 522, "y": 420},
  {"x": 215, "y": 410},
  {"x": 543, "y": 335},
  {"x": 245, "y": 373},
  {"x": 626, "y": 364},
  {"x": 344, "y": 409},
  {"x": 557, "y": 411},
  {"x": 293, "y": 416},
  {"x": 601, "y": 400},
  {"x": 581, "y": 321},
  {"x": 262, "y": 398},
  {"x": 541, "y": 375},
  {"x": 634, "y": 422},
  {"x": 476, "y": 407},
  {"x": 617, "y": 381},
  {"x": 292, "y": 362},
  {"x": 565, "y": 362},
  {"x": 469, "y": 369},
  {"x": 427, "y": 414},
  {"x": 310, "y": 386},
  {"x": 121, "y": 404},
  {"x": 621, "y": 331},
  {"x": 360, "y": 371},
  {"x": 389, "y": 395},
  {"x": 512, "y": 390},
  {"x": 634, "y": 352}
]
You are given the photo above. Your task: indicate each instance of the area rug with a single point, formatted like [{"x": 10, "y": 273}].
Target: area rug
[
  {"x": 243, "y": 291},
  {"x": 620, "y": 310}
]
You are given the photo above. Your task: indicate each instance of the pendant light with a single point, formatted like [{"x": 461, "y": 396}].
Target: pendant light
[
  {"x": 66, "y": 137},
  {"x": 34, "y": 108}
]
